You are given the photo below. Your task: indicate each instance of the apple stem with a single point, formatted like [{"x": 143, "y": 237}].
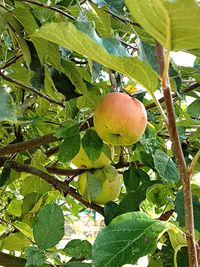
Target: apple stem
[{"x": 177, "y": 150}]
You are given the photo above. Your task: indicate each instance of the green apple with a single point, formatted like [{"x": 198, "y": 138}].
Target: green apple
[
  {"x": 101, "y": 186},
  {"x": 81, "y": 160},
  {"x": 119, "y": 119}
]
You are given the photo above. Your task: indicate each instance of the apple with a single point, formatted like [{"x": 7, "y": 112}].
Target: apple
[
  {"x": 81, "y": 160},
  {"x": 100, "y": 186},
  {"x": 119, "y": 119}
]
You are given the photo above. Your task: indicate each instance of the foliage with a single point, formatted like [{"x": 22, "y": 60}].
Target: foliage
[{"x": 57, "y": 60}]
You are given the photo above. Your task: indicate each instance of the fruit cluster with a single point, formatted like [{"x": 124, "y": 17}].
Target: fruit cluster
[{"x": 119, "y": 120}]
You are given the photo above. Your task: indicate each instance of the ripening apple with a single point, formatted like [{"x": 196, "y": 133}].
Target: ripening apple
[
  {"x": 101, "y": 186},
  {"x": 119, "y": 119},
  {"x": 81, "y": 160}
]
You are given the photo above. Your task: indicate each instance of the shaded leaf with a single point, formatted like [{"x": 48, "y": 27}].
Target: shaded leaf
[
  {"x": 37, "y": 77},
  {"x": 179, "y": 208},
  {"x": 63, "y": 84},
  {"x": 3, "y": 17},
  {"x": 115, "y": 6},
  {"x": 77, "y": 248},
  {"x": 109, "y": 212},
  {"x": 8, "y": 110},
  {"x": 5, "y": 173},
  {"x": 148, "y": 54}
]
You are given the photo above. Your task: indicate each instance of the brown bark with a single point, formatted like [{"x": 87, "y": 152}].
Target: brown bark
[{"x": 177, "y": 150}]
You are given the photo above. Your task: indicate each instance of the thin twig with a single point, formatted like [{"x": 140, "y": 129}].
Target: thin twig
[
  {"x": 186, "y": 90},
  {"x": 120, "y": 18},
  {"x": 30, "y": 88},
  {"x": 49, "y": 7},
  {"x": 194, "y": 162},
  {"x": 177, "y": 150},
  {"x": 67, "y": 172},
  {"x": 11, "y": 61}
]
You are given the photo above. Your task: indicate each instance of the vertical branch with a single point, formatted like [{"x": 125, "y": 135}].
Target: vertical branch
[
  {"x": 177, "y": 150},
  {"x": 112, "y": 81}
]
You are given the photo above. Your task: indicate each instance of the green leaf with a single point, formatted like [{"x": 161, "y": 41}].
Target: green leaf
[
  {"x": 16, "y": 242},
  {"x": 179, "y": 208},
  {"x": 148, "y": 54},
  {"x": 69, "y": 148},
  {"x": 24, "y": 229},
  {"x": 71, "y": 144},
  {"x": 101, "y": 19},
  {"x": 37, "y": 69},
  {"x": 115, "y": 6},
  {"x": 14, "y": 207},
  {"x": 147, "y": 159},
  {"x": 158, "y": 198},
  {"x": 3, "y": 17},
  {"x": 194, "y": 109},
  {"x": 172, "y": 23},
  {"x": 166, "y": 167},
  {"x": 94, "y": 185},
  {"x": 131, "y": 67},
  {"x": 68, "y": 129},
  {"x": 48, "y": 227},
  {"x": 78, "y": 248},
  {"x": 130, "y": 202},
  {"x": 34, "y": 184},
  {"x": 74, "y": 75},
  {"x": 128, "y": 237},
  {"x": 77, "y": 264},
  {"x": 8, "y": 111},
  {"x": 29, "y": 202},
  {"x": 92, "y": 144},
  {"x": 136, "y": 180},
  {"x": 34, "y": 256}
]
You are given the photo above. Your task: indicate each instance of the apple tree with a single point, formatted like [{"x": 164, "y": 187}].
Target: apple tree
[{"x": 58, "y": 60}]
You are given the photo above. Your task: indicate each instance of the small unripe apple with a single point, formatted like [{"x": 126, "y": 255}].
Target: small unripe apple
[
  {"x": 81, "y": 160},
  {"x": 101, "y": 186},
  {"x": 119, "y": 119}
]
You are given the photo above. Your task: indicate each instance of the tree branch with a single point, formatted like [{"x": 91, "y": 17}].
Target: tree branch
[
  {"x": 34, "y": 143},
  {"x": 27, "y": 145},
  {"x": 177, "y": 150},
  {"x": 59, "y": 185},
  {"x": 113, "y": 82},
  {"x": 30, "y": 88},
  {"x": 11, "y": 61},
  {"x": 7, "y": 260},
  {"x": 49, "y": 7}
]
